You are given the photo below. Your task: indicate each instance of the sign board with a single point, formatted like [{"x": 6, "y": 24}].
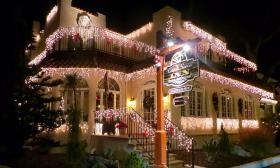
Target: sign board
[
  {"x": 180, "y": 101},
  {"x": 181, "y": 70},
  {"x": 181, "y": 89}
]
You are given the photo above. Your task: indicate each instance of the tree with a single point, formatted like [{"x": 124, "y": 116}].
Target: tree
[{"x": 76, "y": 147}]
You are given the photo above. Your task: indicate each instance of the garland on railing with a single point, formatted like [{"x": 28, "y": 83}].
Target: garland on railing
[
  {"x": 115, "y": 38},
  {"x": 112, "y": 113},
  {"x": 181, "y": 136}
]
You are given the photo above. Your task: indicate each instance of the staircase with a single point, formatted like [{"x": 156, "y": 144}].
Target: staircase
[{"x": 141, "y": 136}]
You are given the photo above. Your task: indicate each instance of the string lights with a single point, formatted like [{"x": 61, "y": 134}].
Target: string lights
[
  {"x": 235, "y": 83},
  {"x": 52, "y": 13},
  {"x": 169, "y": 30},
  {"x": 230, "y": 125},
  {"x": 218, "y": 45},
  {"x": 140, "y": 31},
  {"x": 250, "y": 124},
  {"x": 87, "y": 72},
  {"x": 116, "y": 38},
  {"x": 197, "y": 123}
]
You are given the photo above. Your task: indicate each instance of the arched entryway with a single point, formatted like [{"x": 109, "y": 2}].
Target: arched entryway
[{"x": 114, "y": 97}]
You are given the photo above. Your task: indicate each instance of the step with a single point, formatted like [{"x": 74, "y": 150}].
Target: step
[
  {"x": 171, "y": 156},
  {"x": 176, "y": 164}
]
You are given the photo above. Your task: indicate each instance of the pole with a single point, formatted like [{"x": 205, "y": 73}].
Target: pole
[{"x": 160, "y": 137}]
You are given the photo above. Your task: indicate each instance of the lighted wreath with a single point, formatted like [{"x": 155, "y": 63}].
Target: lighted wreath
[
  {"x": 240, "y": 106},
  {"x": 148, "y": 102},
  {"x": 215, "y": 100}
]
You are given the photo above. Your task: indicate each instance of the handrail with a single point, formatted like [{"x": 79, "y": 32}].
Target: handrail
[{"x": 143, "y": 133}]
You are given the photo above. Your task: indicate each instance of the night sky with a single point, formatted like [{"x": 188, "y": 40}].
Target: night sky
[{"x": 235, "y": 20}]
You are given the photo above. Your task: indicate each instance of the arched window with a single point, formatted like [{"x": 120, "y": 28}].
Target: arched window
[
  {"x": 114, "y": 96},
  {"x": 226, "y": 104},
  {"x": 248, "y": 107},
  {"x": 82, "y": 95}
]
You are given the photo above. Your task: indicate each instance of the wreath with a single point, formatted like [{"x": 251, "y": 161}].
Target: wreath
[
  {"x": 148, "y": 102},
  {"x": 215, "y": 100}
]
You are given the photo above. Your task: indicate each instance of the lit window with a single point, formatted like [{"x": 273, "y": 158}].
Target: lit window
[
  {"x": 248, "y": 108},
  {"x": 226, "y": 105}
]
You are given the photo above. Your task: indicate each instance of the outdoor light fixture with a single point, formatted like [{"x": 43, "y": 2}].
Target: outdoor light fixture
[
  {"x": 170, "y": 43},
  {"x": 187, "y": 47},
  {"x": 132, "y": 103}
]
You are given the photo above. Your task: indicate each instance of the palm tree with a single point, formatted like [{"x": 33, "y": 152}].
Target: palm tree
[
  {"x": 71, "y": 82},
  {"x": 76, "y": 147}
]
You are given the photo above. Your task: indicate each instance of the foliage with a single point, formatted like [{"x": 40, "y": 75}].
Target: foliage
[
  {"x": 225, "y": 146},
  {"x": 76, "y": 147},
  {"x": 272, "y": 123},
  {"x": 31, "y": 102},
  {"x": 211, "y": 149},
  {"x": 105, "y": 161},
  {"x": 135, "y": 160},
  {"x": 257, "y": 141},
  {"x": 215, "y": 149}
]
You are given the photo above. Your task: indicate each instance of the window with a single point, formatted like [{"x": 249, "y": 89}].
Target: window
[
  {"x": 248, "y": 108},
  {"x": 82, "y": 95},
  {"x": 195, "y": 106},
  {"x": 226, "y": 105},
  {"x": 196, "y": 102}
]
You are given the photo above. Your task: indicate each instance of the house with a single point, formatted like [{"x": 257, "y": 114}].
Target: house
[{"x": 226, "y": 93}]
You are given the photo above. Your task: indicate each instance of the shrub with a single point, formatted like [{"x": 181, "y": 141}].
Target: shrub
[
  {"x": 225, "y": 146},
  {"x": 258, "y": 142},
  {"x": 135, "y": 160},
  {"x": 211, "y": 149}
]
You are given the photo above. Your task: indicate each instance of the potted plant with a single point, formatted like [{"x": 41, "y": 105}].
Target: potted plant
[{"x": 122, "y": 127}]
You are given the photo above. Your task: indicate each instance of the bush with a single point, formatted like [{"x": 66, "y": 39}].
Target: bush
[
  {"x": 225, "y": 146},
  {"x": 215, "y": 149},
  {"x": 135, "y": 160},
  {"x": 258, "y": 142},
  {"x": 211, "y": 149}
]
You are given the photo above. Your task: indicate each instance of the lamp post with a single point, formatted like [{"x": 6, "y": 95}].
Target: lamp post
[{"x": 160, "y": 135}]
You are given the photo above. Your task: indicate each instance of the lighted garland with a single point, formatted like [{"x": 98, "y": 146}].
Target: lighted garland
[
  {"x": 218, "y": 46},
  {"x": 183, "y": 139},
  {"x": 116, "y": 38},
  {"x": 235, "y": 83},
  {"x": 87, "y": 72}
]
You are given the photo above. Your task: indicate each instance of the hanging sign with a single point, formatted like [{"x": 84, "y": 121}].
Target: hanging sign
[
  {"x": 181, "y": 89},
  {"x": 180, "y": 101},
  {"x": 181, "y": 70}
]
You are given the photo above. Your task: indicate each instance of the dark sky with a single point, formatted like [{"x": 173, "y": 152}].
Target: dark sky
[{"x": 235, "y": 20}]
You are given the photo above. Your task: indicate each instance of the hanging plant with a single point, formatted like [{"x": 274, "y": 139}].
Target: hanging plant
[
  {"x": 240, "y": 106},
  {"x": 215, "y": 101}
]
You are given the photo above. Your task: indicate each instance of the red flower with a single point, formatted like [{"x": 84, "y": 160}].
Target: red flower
[
  {"x": 171, "y": 130},
  {"x": 121, "y": 125}
]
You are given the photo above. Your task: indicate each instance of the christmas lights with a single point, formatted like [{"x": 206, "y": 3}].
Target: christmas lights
[
  {"x": 219, "y": 46},
  {"x": 183, "y": 139},
  {"x": 230, "y": 125},
  {"x": 235, "y": 83},
  {"x": 117, "y": 39},
  {"x": 250, "y": 124},
  {"x": 140, "y": 31},
  {"x": 52, "y": 13},
  {"x": 169, "y": 30},
  {"x": 269, "y": 101},
  {"x": 197, "y": 123},
  {"x": 88, "y": 72}
]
